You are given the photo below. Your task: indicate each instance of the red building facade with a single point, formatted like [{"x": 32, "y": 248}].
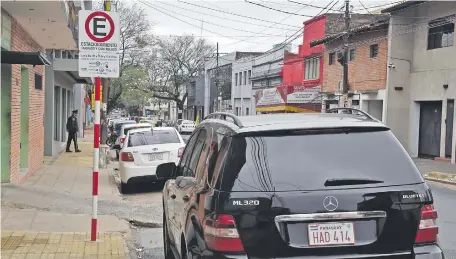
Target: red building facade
[{"x": 302, "y": 75}]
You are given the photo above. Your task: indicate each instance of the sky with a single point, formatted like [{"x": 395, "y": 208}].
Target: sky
[{"x": 211, "y": 20}]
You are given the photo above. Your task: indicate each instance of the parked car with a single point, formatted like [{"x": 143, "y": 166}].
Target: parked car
[
  {"x": 186, "y": 127},
  {"x": 123, "y": 134},
  {"x": 296, "y": 186},
  {"x": 143, "y": 150}
]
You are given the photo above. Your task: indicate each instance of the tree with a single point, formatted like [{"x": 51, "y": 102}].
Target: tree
[
  {"x": 135, "y": 39},
  {"x": 132, "y": 98},
  {"x": 172, "y": 63}
]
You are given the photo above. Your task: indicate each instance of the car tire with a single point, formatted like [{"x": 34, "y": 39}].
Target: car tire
[
  {"x": 124, "y": 188},
  {"x": 166, "y": 245}
]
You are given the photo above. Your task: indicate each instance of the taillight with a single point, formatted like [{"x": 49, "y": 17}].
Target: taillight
[
  {"x": 220, "y": 233},
  {"x": 180, "y": 152},
  {"x": 122, "y": 140},
  {"x": 126, "y": 157},
  {"x": 428, "y": 229}
]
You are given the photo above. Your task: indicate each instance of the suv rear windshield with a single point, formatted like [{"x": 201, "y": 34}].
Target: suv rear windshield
[
  {"x": 291, "y": 162},
  {"x": 152, "y": 138}
]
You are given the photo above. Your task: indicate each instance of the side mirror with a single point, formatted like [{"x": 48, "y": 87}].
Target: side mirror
[{"x": 165, "y": 171}]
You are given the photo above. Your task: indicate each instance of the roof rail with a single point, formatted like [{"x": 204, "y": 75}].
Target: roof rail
[
  {"x": 223, "y": 116},
  {"x": 352, "y": 111}
]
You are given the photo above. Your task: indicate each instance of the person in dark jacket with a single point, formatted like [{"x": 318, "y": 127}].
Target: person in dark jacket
[{"x": 73, "y": 129}]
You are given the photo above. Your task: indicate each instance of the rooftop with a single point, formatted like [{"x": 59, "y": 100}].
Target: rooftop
[{"x": 401, "y": 6}]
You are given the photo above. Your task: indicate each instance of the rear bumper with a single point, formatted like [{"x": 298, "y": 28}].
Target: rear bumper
[
  {"x": 428, "y": 251},
  {"x": 187, "y": 129},
  {"x": 134, "y": 172},
  {"x": 419, "y": 252}
]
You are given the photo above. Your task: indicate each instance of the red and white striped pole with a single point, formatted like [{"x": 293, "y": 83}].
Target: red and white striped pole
[{"x": 96, "y": 158}]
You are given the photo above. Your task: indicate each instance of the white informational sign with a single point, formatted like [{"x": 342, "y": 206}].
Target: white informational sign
[
  {"x": 93, "y": 64},
  {"x": 99, "y": 44},
  {"x": 269, "y": 96},
  {"x": 303, "y": 94}
]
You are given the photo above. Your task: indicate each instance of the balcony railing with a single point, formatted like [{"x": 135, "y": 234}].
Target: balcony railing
[{"x": 266, "y": 73}]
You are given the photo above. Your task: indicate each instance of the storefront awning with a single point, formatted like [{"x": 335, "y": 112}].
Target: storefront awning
[{"x": 25, "y": 58}]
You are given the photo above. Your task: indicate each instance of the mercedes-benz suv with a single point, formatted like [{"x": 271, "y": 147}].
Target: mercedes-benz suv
[{"x": 296, "y": 186}]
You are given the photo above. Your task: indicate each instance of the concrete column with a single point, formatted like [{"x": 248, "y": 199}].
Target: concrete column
[
  {"x": 453, "y": 142},
  {"x": 49, "y": 102},
  {"x": 443, "y": 127},
  {"x": 59, "y": 114}
]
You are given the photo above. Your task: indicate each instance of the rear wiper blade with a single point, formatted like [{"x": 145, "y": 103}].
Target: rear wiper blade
[{"x": 350, "y": 181}]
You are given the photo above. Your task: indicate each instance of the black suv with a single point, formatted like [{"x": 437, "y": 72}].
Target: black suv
[{"x": 296, "y": 186}]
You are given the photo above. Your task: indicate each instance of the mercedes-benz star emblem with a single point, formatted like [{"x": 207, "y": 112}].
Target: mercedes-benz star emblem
[{"x": 330, "y": 203}]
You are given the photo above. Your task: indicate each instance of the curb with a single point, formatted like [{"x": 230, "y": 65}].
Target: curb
[
  {"x": 441, "y": 177},
  {"x": 144, "y": 224}
]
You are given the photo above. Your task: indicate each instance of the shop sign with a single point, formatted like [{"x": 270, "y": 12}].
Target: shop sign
[
  {"x": 302, "y": 94},
  {"x": 270, "y": 96}
]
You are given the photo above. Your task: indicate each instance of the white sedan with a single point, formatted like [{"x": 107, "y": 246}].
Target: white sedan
[
  {"x": 186, "y": 127},
  {"x": 145, "y": 149}
]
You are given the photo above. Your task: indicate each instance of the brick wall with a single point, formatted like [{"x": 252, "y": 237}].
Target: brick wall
[
  {"x": 364, "y": 73},
  {"x": 21, "y": 41}
]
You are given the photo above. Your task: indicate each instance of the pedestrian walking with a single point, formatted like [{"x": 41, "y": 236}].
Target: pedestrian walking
[{"x": 72, "y": 129}]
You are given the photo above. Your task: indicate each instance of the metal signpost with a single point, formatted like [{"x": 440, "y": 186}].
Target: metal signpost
[{"x": 99, "y": 45}]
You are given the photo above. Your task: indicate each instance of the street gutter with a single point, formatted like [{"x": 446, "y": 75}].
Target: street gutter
[{"x": 441, "y": 177}]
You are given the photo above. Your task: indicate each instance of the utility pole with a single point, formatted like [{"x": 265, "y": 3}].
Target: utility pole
[
  {"x": 217, "y": 79},
  {"x": 346, "y": 102},
  {"x": 105, "y": 84}
]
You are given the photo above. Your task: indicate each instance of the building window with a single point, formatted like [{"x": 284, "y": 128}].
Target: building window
[
  {"x": 441, "y": 33},
  {"x": 245, "y": 77},
  {"x": 236, "y": 77},
  {"x": 240, "y": 78},
  {"x": 352, "y": 54},
  {"x": 246, "y": 111},
  {"x": 312, "y": 69},
  {"x": 6, "y": 31},
  {"x": 331, "y": 58},
  {"x": 38, "y": 81},
  {"x": 250, "y": 75},
  {"x": 374, "y": 51}
]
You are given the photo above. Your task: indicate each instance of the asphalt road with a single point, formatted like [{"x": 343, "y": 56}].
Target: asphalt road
[
  {"x": 149, "y": 243},
  {"x": 445, "y": 203}
]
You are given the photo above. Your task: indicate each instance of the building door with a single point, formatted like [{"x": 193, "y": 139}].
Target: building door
[
  {"x": 5, "y": 113},
  {"x": 449, "y": 128},
  {"x": 24, "y": 117},
  {"x": 430, "y": 125}
]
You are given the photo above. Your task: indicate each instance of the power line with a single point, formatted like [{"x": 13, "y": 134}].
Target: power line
[
  {"x": 293, "y": 33},
  {"x": 196, "y": 26},
  {"x": 244, "y": 16},
  {"x": 219, "y": 25},
  {"x": 376, "y": 6},
  {"x": 277, "y": 10},
  {"x": 223, "y": 18},
  {"x": 310, "y": 5}
]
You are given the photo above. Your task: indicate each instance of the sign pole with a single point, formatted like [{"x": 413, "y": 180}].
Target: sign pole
[{"x": 96, "y": 158}]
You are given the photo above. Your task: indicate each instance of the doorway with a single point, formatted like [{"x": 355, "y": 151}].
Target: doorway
[
  {"x": 5, "y": 111},
  {"x": 449, "y": 128},
  {"x": 430, "y": 129},
  {"x": 24, "y": 119}
]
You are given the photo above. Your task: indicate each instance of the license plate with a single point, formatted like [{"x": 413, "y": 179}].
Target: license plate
[
  {"x": 154, "y": 157},
  {"x": 331, "y": 234}
]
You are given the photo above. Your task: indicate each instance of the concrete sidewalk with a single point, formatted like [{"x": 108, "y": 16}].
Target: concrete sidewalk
[{"x": 42, "y": 234}]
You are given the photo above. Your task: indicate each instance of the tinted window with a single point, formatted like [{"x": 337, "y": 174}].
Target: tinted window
[
  {"x": 139, "y": 127},
  {"x": 305, "y": 162},
  {"x": 187, "y": 153},
  {"x": 199, "y": 146},
  {"x": 153, "y": 138}
]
